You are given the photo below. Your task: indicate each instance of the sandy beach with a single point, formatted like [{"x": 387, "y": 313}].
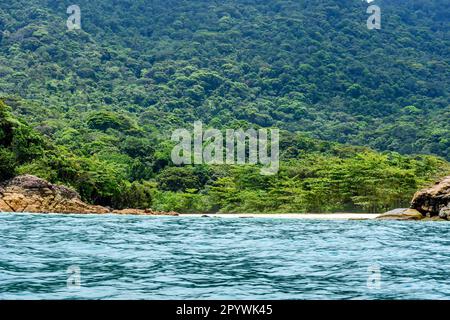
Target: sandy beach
[{"x": 311, "y": 216}]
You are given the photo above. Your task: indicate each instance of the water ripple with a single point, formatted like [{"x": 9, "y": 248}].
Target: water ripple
[{"x": 129, "y": 257}]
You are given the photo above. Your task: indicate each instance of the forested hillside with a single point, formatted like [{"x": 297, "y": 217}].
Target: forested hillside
[{"x": 98, "y": 104}]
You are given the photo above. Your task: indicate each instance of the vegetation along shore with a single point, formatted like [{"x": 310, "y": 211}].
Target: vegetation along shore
[{"x": 30, "y": 194}]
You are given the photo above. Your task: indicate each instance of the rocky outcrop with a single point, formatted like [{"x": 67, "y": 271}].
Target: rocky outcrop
[
  {"x": 146, "y": 212},
  {"x": 34, "y": 195},
  {"x": 444, "y": 213},
  {"x": 430, "y": 204},
  {"x": 433, "y": 201},
  {"x": 31, "y": 194}
]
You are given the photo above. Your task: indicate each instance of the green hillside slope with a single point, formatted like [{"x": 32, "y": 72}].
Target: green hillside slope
[
  {"x": 102, "y": 101},
  {"x": 311, "y": 66}
]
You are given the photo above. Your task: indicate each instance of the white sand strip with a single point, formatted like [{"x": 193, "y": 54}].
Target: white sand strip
[{"x": 311, "y": 216}]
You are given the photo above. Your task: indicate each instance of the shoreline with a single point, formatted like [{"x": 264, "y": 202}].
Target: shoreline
[
  {"x": 30, "y": 194},
  {"x": 286, "y": 216},
  {"x": 302, "y": 216}
]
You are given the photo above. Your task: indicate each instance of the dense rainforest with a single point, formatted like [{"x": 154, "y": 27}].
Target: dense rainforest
[{"x": 364, "y": 113}]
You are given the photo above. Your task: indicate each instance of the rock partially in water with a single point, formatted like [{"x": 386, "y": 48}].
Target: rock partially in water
[
  {"x": 401, "y": 214},
  {"x": 430, "y": 204},
  {"x": 31, "y": 194},
  {"x": 434, "y": 200},
  {"x": 146, "y": 212},
  {"x": 435, "y": 218},
  {"x": 444, "y": 213}
]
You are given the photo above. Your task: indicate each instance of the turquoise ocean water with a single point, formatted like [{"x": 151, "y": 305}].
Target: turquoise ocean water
[{"x": 134, "y": 257}]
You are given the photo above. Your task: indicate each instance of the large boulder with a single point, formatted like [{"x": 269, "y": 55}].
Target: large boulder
[
  {"x": 433, "y": 201},
  {"x": 34, "y": 195},
  {"x": 445, "y": 213},
  {"x": 28, "y": 193},
  {"x": 401, "y": 214}
]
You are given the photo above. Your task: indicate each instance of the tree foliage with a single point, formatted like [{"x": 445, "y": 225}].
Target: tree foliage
[{"x": 94, "y": 108}]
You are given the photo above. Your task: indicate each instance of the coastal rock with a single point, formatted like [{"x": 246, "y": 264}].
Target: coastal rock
[
  {"x": 435, "y": 218},
  {"x": 444, "y": 213},
  {"x": 401, "y": 214},
  {"x": 146, "y": 212},
  {"x": 31, "y": 194},
  {"x": 34, "y": 195},
  {"x": 432, "y": 201}
]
